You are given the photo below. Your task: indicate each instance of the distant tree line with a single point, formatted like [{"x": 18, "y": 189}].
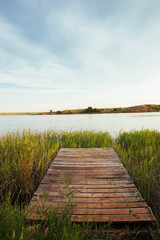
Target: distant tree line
[{"x": 90, "y": 110}]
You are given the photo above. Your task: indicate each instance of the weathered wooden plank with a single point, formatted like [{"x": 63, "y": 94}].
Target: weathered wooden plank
[
  {"x": 93, "y": 200},
  {"x": 86, "y": 170},
  {"x": 86, "y": 158},
  {"x": 89, "y": 163},
  {"x": 55, "y": 188},
  {"x": 114, "y": 218},
  {"x": 75, "y": 174},
  {"x": 87, "y": 176},
  {"x": 92, "y": 195},
  {"x": 87, "y": 186},
  {"x": 97, "y": 205},
  {"x": 107, "y": 218},
  {"x": 86, "y": 181},
  {"x": 79, "y": 168},
  {"x": 124, "y": 211}
]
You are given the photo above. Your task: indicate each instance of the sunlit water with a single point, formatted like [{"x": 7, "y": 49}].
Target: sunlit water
[{"x": 113, "y": 123}]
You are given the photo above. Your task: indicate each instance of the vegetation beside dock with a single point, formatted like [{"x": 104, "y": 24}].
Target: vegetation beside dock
[{"x": 25, "y": 157}]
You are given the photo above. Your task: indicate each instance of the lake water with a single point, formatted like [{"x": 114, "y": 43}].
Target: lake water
[{"x": 113, "y": 123}]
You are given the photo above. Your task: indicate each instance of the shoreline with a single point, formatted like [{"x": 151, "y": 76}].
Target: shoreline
[{"x": 133, "y": 109}]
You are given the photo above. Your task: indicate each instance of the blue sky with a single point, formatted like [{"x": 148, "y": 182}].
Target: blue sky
[{"x": 74, "y": 54}]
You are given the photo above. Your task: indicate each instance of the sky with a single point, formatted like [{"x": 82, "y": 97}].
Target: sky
[{"x": 57, "y": 55}]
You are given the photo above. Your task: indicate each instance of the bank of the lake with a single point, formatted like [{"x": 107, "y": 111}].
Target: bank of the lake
[
  {"x": 26, "y": 156},
  {"x": 133, "y": 109}
]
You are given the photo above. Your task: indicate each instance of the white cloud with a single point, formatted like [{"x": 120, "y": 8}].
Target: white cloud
[{"x": 115, "y": 57}]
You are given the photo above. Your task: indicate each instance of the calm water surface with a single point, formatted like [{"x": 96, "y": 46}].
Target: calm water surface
[{"x": 112, "y": 123}]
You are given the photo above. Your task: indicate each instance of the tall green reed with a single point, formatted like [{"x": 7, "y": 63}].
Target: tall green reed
[
  {"x": 25, "y": 157},
  {"x": 140, "y": 153}
]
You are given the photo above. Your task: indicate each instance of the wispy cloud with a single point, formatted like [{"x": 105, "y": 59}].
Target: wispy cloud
[{"x": 101, "y": 53}]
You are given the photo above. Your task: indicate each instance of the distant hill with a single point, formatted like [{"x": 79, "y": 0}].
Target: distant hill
[
  {"x": 133, "y": 109},
  {"x": 90, "y": 110}
]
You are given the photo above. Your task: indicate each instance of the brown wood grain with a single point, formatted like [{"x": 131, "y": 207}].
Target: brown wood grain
[
  {"x": 96, "y": 205},
  {"x": 103, "y": 190},
  {"x": 106, "y": 218},
  {"x": 88, "y": 200}
]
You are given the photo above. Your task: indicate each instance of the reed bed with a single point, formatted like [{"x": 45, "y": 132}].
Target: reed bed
[
  {"x": 25, "y": 157},
  {"x": 140, "y": 153}
]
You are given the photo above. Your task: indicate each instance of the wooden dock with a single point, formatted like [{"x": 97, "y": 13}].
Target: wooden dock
[{"x": 103, "y": 189}]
